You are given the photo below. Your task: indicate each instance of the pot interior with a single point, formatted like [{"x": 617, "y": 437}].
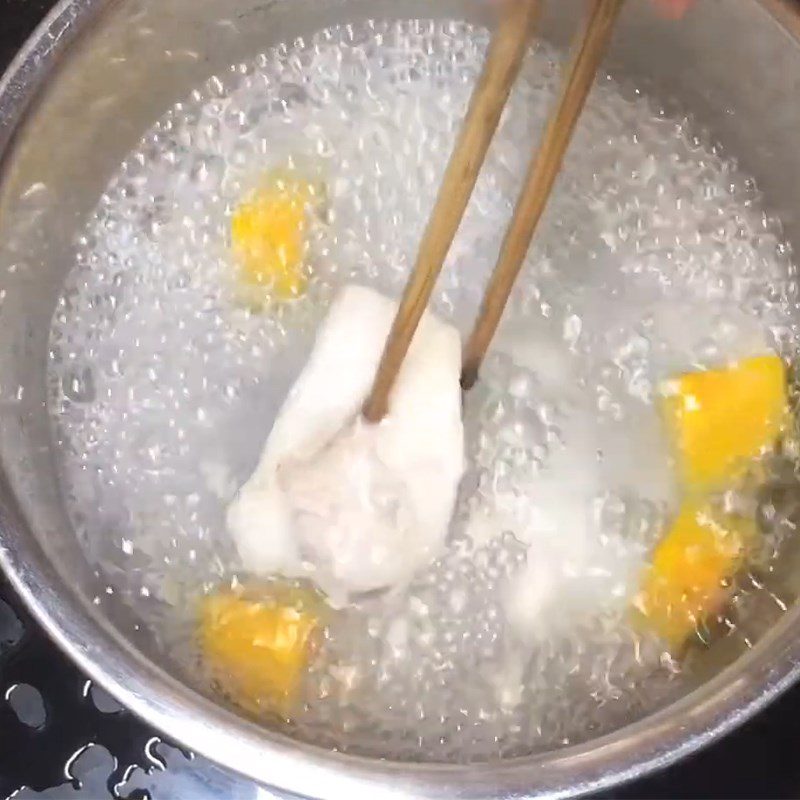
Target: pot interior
[{"x": 150, "y": 94}]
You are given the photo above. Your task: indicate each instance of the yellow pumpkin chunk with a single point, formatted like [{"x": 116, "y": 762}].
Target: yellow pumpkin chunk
[
  {"x": 691, "y": 568},
  {"x": 268, "y": 233},
  {"x": 722, "y": 419},
  {"x": 258, "y": 649}
]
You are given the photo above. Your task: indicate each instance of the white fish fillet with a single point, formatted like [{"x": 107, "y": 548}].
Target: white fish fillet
[{"x": 358, "y": 507}]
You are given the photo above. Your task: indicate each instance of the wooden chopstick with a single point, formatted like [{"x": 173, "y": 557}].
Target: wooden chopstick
[
  {"x": 506, "y": 51},
  {"x": 591, "y": 44}
]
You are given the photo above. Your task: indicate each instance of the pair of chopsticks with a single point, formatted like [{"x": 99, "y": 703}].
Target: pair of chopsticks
[{"x": 504, "y": 60}]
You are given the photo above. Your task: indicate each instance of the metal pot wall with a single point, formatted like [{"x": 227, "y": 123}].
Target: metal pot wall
[{"x": 94, "y": 77}]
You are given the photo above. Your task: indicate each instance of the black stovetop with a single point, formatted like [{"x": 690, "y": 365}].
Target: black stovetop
[{"x": 77, "y": 743}]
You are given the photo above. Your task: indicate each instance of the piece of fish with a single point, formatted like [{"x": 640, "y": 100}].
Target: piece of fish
[{"x": 353, "y": 506}]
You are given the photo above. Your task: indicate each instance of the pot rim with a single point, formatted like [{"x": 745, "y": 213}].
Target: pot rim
[{"x": 273, "y": 759}]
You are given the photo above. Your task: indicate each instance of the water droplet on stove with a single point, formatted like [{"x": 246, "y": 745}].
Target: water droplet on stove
[
  {"x": 11, "y": 629},
  {"x": 28, "y": 705},
  {"x": 103, "y": 701}
]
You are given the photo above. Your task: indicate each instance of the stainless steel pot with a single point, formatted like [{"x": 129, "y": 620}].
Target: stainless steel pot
[{"x": 95, "y": 75}]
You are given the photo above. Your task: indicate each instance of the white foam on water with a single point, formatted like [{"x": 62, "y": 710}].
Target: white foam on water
[{"x": 654, "y": 256}]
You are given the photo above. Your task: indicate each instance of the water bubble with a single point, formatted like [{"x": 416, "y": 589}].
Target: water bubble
[{"x": 78, "y": 384}]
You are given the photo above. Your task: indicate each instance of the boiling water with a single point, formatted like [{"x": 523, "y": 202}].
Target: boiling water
[{"x": 653, "y": 257}]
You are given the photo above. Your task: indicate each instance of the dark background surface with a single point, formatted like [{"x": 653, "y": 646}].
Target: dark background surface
[{"x": 760, "y": 761}]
